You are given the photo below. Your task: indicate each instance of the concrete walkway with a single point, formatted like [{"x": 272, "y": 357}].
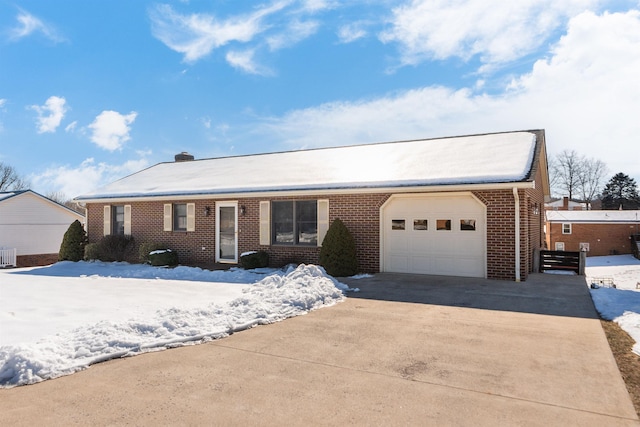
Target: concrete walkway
[{"x": 407, "y": 350}]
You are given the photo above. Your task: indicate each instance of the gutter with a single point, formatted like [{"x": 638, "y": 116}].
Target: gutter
[{"x": 517, "y": 231}]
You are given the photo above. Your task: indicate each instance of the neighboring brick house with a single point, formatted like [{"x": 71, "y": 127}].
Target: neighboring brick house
[
  {"x": 598, "y": 233},
  {"x": 34, "y": 226},
  {"x": 564, "y": 204},
  {"x": 462, "y": 206}
]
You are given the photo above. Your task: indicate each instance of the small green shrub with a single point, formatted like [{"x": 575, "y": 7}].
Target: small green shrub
[
  {"x": 73, "y": 243},
  {"x": 146, "y": 248},
  {"x": 114, "y": 247},
  {"x": 251, "y": 260},
  {"x": 163, "y": 257},
  {"x": 91, "y": 251},
  {"x": 338, "y": 251}
]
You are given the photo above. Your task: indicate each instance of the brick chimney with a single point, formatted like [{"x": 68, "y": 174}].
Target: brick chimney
[
  {"x": 565, "y": 203},
  {"x": 184, "y": 157}
]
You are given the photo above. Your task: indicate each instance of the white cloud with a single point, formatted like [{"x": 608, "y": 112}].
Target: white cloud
[
  {"x": 50, "y": 114},
  {"x": 495, "y": 30},
  {"x": 89, "y": 175},
  {"x": 351, "y": 32},
  {"x": 29, "y": 24},
  {"x": 71, "y": 126},
  {"x": 585, "y": 95},
  {"x": 244, "y": 61},
  {"x": 2, "y": 103},
  {"x": 110, "y": 129},
  {"x": 295, "y": 32},
  {"x": 197, "y": 35}
]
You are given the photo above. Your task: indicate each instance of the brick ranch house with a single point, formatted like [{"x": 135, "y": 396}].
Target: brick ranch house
[
  {"x": 461, "y": 206},
  {"x": 599, "y": 233}
]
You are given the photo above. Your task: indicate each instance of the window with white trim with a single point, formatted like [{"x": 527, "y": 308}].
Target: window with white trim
[
  {"x": 179, "y": 217},
  {"x": 566, "y": 228},
  {"x": 116, "y": 220},
  {"x": 559, "y": 246},
  {"x": 294, "y": 222}
]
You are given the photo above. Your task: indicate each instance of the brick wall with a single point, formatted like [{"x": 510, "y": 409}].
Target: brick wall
[
  {"x": 603, "y": 239},
  {"x": 36, "y": 260},
  {"x": 359, "y": 212}
]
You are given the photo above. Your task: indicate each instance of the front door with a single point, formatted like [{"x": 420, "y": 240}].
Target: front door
[{"x": 227, "y": 232}]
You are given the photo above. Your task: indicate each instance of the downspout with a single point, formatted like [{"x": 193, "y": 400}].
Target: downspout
[{"x": 517, "y": 231}]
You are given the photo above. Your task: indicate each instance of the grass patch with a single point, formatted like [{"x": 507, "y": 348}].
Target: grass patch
[{"x": 628, "y": 362}]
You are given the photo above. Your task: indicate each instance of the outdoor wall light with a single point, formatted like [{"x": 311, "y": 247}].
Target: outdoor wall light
[
  {"x": 243, "y": 210},
  {"x": 207, "y": 211}
]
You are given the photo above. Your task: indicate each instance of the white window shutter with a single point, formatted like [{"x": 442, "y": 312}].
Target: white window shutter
[
  {"x": 265, "y": 223},
  {"x": 323, "y": 220},
  {"x": 191, "y": 217},
  {"x": 106, "y": 230},
  {"x": 167, "y": 217},
  {"x": 127, "y": 219}
]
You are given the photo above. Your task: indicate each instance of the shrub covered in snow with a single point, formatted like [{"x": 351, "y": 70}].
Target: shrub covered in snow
[
  {"x": 250, "y": 260},
  {"x": 163, "y": 257},
  {"x": 73, "y": 243},
  {"x": 338, "y": 252},
  {"x": 146, "y": 248}
]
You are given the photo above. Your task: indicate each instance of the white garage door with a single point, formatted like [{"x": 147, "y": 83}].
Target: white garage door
[{"x": 434, "y": 234}]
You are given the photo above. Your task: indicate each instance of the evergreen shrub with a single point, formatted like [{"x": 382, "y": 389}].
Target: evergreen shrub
[
  {"x": 259, "y": 259},
  {"x": 163, "y": 257},
  {"x": 73, "y": 243},
  {"x": 338, "y": 251},
  {"x": 146, "y": 248}
]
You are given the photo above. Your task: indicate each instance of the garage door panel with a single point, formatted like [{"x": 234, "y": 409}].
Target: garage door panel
[{"x": 426, "y": 250}]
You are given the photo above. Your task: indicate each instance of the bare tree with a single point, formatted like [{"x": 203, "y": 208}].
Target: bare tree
[
  {"x": 60, "y": 197},
  {"x": 10, "y": 180},
  {"x": 565, "y": 171},
  {"x": 591, "y": 180},
  {"x": 573, "y": 174}
]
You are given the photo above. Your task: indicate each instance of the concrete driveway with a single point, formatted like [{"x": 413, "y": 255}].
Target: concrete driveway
[{"x": 407, "y": 350}]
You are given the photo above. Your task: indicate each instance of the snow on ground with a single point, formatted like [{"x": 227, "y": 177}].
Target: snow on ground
[
  {"x": 59, "y": 319},
  {"x": 622, "y": 303}
]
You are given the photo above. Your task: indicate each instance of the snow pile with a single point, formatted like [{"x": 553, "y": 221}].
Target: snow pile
[
  {"x": 275, "y": 297},
  {"x": 620, "y": 304}
]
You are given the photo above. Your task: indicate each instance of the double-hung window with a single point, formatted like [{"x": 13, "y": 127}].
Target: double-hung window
[
  {"x": 179, "y": 217},
  {"x": 566, "y": 228},
  {"x": 117, "y": 222},
  {"x": 117, "y": 219}
]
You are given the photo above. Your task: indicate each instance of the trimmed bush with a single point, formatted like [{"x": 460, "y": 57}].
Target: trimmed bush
[
  {"x": 251, "y": 260},
  {"x": 115, "y": 247},
  {"x": 73, "y": 243},
  {"x": 338, "y": 251},
  {"x": 163, "y": 257},
  {"x": 146, "y": 248}
]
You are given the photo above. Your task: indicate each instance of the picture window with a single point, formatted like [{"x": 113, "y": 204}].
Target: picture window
[{"x": 295, "y": 222}]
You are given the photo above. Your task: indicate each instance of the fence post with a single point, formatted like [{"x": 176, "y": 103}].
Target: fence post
[
  {"x": 583, "y": 263},
  {"x": 536, "y": 260}
]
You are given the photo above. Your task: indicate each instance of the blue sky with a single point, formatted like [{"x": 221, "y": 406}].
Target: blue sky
[{"x": 93, "y": 91}]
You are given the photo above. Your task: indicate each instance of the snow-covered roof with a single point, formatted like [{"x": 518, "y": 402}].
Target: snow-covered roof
[
  {"x": 594, "y": 216},
  {"x": 560, "y": 203},
  {"x": 7, "y": 194},
  {"x": 490, "y": 158}
]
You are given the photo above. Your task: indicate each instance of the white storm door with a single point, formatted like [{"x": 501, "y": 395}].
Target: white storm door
[{"x": 227, "y": 232}]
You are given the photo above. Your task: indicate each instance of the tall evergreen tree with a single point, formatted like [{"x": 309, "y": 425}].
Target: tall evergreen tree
[
  {"x": 73, "y": 243},
  {"x": 621, "y": 192}
]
